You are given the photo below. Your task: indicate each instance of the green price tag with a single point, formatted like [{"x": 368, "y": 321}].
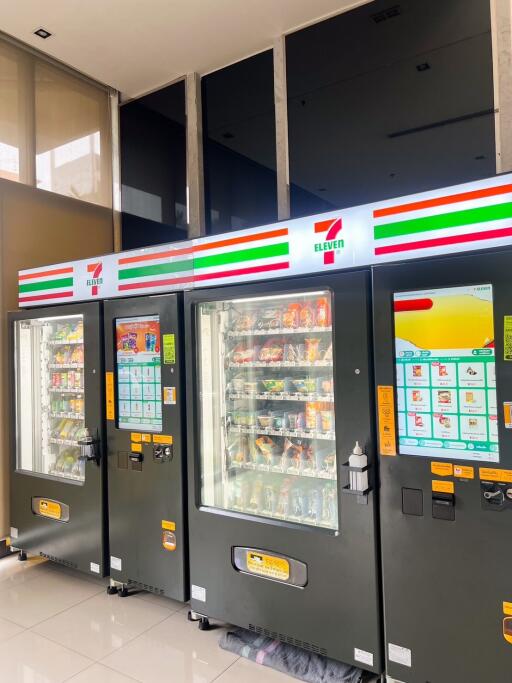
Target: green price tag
[
  {"x": 169, "y": 344},
  {"x": 507, "y": 337}
]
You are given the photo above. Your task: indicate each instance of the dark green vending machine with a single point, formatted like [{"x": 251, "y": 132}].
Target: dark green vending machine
[
  {"x": 443, "y": 359},
  {"x": 58, "y": 472},
  {"x": 283, "y": 535},
  {"x": 146, "y": 452}
]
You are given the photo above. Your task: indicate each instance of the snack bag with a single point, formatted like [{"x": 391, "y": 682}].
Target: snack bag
[
  {"x": 270, "y": 319},
  {"x": 323, "y": 312},
  {"x": 307, "y": 315},
  {"x": 291, "y": 317}
]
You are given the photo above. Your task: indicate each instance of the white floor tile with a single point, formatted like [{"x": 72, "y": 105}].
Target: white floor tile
[
  {"x": 245, "y": 671},
  {"x": 33, "y": 601},
  {"x": 100, "y": 625},
  {"x": 97, "y": 673},
  {"x": 29, "y": 658},
  {"x": 13, "y": 572},
  {"x": 8, "y": 629},
  {"x": 174, "y": 650}
]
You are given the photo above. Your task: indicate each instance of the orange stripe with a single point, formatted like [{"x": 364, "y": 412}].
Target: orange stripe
[
  {"x": 323, "y": 226},
  {"x": 282, "y": 232},
  {"x": 443, "y": 201},
  {"x": 44, "y": 273}
]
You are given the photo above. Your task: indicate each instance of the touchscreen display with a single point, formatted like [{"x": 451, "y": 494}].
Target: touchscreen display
[
  {"x": 446, "y": 374},
  {"x": 139, "y": 387}
]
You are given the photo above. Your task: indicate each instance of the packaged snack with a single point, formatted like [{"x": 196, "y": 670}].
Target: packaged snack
[
  {"x": 270, "y": 319},
  {"x": 301, "y": 421},
  {"x": 250, "y": 387},
  {"x": 237, "y": 383},
  {"x": 129, "y": 342},
  {"x": 291, "y": 420},
  {"x": 277, "y": 420},
  {"x": 267, "y": 448},
  {"x": 327, "y": 420},
  {"x": 273, "y": 385},
  {"x": 245, "y": 321},
  {"x": 291, "y": 317},
  {"x": 325, "y": 385},
  {"x": 265, "y": 420},
  {"x": 326, "y": 354},
  {"x": 312, "y": 349},
  {"x": 311, "y": 415},
  {"x": 323, "y": 312},
  {"x": 307, "y": 315},
  {"x": 293, "y": 353},
  {"x": 304, "y": 386},
  {"x": 244, "y": 353},
  {"x": 272, "y": 351}
]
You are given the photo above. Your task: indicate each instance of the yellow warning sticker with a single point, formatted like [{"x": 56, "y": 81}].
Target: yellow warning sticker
[
  {"x": 463, "y": 472},
  {"x": 170, "y": 526},
  {"x": 49, "y": 508},
  {"x": 136, "y": 448},
  {"x": 387, "y": 431},
  {"x": 492, "y": 474},
  {"x": 443, "y": 486},
  {"x": 136, "y": 437},
  {"x": 162, "y": 438},
  {"x": 146, "y": 438},
  {"x": 442, "y": 469},
  {"x": 507, "y": 629},
  {"x": 168, "y": 540},
  {"x": 109, "y": 395},
  {"x": 507, "y": 337},
  {"x": 507, "y": 609},
  {"x": 507, "y": 414},
  {"x": 268, "y": 565}
]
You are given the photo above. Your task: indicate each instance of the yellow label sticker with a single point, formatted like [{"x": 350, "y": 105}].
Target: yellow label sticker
[
  {"x": 109, "y": 395},
  {"x": 169, "y": 344},
  {"x": 136, "y": 448},
  {"x": 463, "y": 472},
  {"x": 507, "y": 609},
  {"x": 387, "y": 431},
  {"x": 507, "y": 337},
  {"x": 49, "y": 508},
  {"x": 146, "y": 438},
  {"x": 168, "y": 540},
  {"x": 268, "y": 565},
  {"x": 136, "y": 437},
  {"x": 162, "y": 438},
  {"x": 442, "y": 469},
  {"x": 443, "y": 486},
  {"x": 507, "y": 629},
  {"x": 170, "y": 526},
  {"x": 492, "y": 474},
  {"x": 507, "y": 414}
]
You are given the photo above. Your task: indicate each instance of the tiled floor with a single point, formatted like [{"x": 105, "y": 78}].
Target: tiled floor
[{"x": 56, "y": 625}]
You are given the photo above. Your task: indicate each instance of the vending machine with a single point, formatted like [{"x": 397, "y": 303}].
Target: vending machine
[
  {"x": 283, "y": 537},
  {"x": 443, "y": 360},
  {"x": 58, "y": 472},
  {"x": 146, "y": 450}
]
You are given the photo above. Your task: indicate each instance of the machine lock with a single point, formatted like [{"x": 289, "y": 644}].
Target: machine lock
[
  {"x": 162, "y": 452},
  {"x": 496, "y": 495}
]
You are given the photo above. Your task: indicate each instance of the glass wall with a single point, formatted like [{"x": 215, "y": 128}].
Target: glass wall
[
  {"x": 388, "y": 100},
  {"x": 55, "y": 128},
  {"x": 154, "y": 168},
  {"x": 239, "y": 145}
]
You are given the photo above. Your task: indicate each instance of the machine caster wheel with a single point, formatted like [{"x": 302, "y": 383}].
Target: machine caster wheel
[
  {"x": 111, "y": 590},
  {"x": 190, "y": 616},
  {"x": 22, "y": 556},
  {"x": 204, "y": 624},
  {"x": 123, "y": 592}
]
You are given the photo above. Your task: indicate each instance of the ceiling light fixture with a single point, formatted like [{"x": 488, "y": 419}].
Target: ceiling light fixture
[
  {"x": 228, "y": 135},
  {"x": 423, "y": 67},
  {"x": 42, "y": 33}
]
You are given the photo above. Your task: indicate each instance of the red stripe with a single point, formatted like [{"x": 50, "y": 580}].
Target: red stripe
[
  {"x": 242, "y": 271},
  {"x": 413, "y": 305},
  {"x": 156, "y": 283},
  {"x": 42, "y": 297},
  {"x": 443, "y": 241},
  {"x": 44, "y": 273},
  {"x": 442, "y": 201}
]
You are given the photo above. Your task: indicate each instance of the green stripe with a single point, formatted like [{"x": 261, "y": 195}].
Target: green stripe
[
  {"x": 47, "y": 284},
  {"x": 445, "y": 220},
  {"x": 158, "y": 269},
  {"x": 281, "y": 249}
]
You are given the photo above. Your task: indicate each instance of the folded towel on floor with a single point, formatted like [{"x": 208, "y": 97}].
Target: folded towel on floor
[{"x": 291, "y": 660}]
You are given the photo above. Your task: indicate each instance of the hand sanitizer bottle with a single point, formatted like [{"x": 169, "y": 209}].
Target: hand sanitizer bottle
[{"x": 358, "y": 480}]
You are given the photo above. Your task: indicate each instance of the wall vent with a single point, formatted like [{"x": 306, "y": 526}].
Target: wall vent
[
  {"x": 58, "y": 560},
  {"x": 146, "y": 587}
]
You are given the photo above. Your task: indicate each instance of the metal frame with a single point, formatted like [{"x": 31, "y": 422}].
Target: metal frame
[{"x": 501, "y": 32}]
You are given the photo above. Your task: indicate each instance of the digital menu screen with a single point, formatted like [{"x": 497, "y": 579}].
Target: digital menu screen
[
  {"x": 446, "y": 373},
  {"x": 139, "y": 385}
]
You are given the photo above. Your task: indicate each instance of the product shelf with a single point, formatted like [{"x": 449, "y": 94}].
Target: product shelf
[
  {"x": 268, "y": 514},
  {"x": 280, "y": 396},
  {"x": 71, "y": 416},
  {"x": 235, "y": 334},
  {"x": 281, "y": 364},
  {"x": 287, "y": 471},
  {"x": 64, "y": 442},
  {"x": 61, "y": 366},
  {"x": 58, "y": 390},
  {"x": 63, "y": 342},
  {"x": 294, "y": 433}
]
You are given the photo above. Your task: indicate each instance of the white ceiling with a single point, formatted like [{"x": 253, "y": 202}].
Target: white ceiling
[{"x": 138, "y": 45}]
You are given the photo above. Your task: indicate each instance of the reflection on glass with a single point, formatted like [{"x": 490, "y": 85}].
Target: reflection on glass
[
  {"x": 389, "y": 99},
  {"x": 239, "y": 145},
  {"x": 10, "y": 93},
  {"x": 50, "y": 400},
  {"x": 72, "y": 136},
  {"x": 268, "y": 444}
]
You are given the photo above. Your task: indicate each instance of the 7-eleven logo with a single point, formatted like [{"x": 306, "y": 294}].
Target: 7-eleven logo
[
  {"x": 95, "y": 280},
  {"x": 331, "y": 243}
]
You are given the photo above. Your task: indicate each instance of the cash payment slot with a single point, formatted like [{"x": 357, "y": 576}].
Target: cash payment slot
[
  {"x": 145, "y": 447},
  {"x": 442, "y": 349}
]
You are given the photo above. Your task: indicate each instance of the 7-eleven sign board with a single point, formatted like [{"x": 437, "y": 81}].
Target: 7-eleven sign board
[
  {"x": 331, "y": 242},
  {"x": 94, "y": 279}
]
